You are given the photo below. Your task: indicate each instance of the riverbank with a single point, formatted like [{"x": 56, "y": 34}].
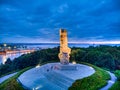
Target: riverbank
[{"x": 15, "y": 51}]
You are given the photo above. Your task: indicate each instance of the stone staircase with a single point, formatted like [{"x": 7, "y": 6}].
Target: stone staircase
[{"x": 60, "y": 80}]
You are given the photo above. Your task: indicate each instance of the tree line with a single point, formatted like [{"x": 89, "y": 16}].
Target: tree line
[{"x": 103, "y": 56}]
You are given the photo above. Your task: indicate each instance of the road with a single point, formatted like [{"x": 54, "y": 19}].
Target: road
[
  {"x": 2, "y": 79},
  {"x": 110, "y": 82}
]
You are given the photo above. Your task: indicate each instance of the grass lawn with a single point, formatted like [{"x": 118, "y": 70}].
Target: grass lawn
[
  {"x": 11, "y": 83},
  {"x": 93, "y": 82},
  {"x": 116, "y": 86}
]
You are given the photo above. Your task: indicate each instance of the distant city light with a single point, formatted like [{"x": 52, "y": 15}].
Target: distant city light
[
  {"x": 73, "y": 62},
  {"x": 4, "y": 45},
  {"x": 4, "y": 59},
  {"x": 9, "y": 47}
]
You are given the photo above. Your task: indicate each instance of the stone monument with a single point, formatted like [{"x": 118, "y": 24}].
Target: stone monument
[{"x": 65, "y": 51}]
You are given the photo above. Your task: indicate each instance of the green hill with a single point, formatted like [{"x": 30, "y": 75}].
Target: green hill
[
  {"x": 106, "y": 57},
  {"x": 93, "y": 82}
]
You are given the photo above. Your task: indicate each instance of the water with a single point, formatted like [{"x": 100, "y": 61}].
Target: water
[{"x": 52, "y": 45}]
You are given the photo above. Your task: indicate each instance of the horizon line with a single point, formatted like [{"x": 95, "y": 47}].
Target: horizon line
[{"x": 87, "y": 42}]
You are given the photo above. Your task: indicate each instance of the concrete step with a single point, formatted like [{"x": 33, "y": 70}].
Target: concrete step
[
  {"x": 59, "y": 79},
  {"x": 55, "y": 81}
]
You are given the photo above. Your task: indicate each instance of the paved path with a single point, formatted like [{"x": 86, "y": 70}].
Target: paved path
[
  {"x": 41, "y": 79},
  {"x": 2, "y": 79},
  {"x": 110, "y": 82}
]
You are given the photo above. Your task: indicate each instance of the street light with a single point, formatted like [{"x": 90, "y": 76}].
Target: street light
[
  {"x": 73, "y": 62},
  {"x": 37, "y": 66},
  {"x": 4, "y": 45},
  {"x": 9, "y": 47}
]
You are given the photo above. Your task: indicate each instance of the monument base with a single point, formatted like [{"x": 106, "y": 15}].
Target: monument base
[{"x": 68, "y": 67}]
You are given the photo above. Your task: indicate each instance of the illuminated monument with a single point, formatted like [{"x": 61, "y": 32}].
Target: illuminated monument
[
  {"x": 57, "y": 76},
  {"x": 65, "y": 51}
]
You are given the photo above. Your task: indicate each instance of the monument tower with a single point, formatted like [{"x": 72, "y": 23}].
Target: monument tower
[{"x": 65, "y": 51}]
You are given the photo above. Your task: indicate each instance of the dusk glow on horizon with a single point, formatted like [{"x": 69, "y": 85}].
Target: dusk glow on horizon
[{"x": 39, "y": 21}]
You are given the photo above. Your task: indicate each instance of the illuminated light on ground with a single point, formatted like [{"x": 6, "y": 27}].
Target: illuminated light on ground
[
  {"x": 90, "y": 67},
  {"x": 73, "y": 62},
  {"x": 38, "y": 87},
  {"x": 38, "y": 66},
  {"x": 9, "y": 47}
]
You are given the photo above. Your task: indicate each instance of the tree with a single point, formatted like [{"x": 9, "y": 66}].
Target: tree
[
  {"x": 8, "y": 61},
  {"x": 106, "y": 60}
]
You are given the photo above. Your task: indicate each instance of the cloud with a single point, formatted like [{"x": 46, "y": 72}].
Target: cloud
[
  {"x": 95, "y": 20},
  {"x": 24, "y": 39}
]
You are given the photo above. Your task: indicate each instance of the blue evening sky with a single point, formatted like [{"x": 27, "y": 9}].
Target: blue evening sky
[{"x": 36, "y": 21}]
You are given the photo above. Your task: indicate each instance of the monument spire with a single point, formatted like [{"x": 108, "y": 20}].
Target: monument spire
[{"x": 65, "y": 51}]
